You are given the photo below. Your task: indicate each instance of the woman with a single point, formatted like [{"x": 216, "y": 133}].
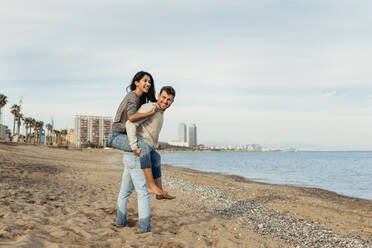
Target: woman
[{"x": 142, "y": 91}]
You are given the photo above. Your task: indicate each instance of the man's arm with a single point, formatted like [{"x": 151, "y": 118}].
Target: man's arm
[{"x": 131, "y": 127}]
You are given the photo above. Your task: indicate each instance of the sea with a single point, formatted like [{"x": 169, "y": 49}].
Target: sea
[{"x": 347, "y": 173}]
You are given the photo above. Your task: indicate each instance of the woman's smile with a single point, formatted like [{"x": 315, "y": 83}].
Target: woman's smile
[{"x": 144, "y": 84}]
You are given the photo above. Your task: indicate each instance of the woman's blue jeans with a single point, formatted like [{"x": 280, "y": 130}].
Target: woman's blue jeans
[
  {"x": 120, "y": 141},
  {"x": 134, "y": 178}
]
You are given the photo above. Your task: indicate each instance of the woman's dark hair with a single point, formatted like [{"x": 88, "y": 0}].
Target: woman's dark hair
[{"x": 146, "y": 97}]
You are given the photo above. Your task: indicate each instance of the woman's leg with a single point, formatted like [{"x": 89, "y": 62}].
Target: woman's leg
[
  {"x": 156, "y": 171},
  {"x": 120, "y": 141}
]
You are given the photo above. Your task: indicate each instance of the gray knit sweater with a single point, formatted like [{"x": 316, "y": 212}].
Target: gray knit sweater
[
  {"x": 127, "y": 107},
  {"x": 147, "y": 129}
]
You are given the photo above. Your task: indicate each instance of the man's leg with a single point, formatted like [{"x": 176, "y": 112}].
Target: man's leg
[
  {"x": 140, "y": 184},
  {"x": 156, "y": 172},
  {"x": 125, "y": 191}
]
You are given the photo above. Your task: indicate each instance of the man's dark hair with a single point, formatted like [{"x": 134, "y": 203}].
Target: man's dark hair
[{"x": 169, "y": 90}]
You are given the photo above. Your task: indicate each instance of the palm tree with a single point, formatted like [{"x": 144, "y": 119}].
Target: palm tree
[
  {"x": 36, "y": 132},
  {"x": 28, "y": 122},
  {"x": 15, "y": 110},
  {"x": 40, "y": 125},
  {"x": 33, "y": 132},
  {"x": 36, "y": 129},
  {"x": 50, "y": 129},
  {"x": 3, "y": 102},
  {"x": 19, "y": 119}
]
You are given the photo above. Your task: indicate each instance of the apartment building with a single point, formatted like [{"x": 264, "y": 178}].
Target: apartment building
[{"x": 92, "y": 130}]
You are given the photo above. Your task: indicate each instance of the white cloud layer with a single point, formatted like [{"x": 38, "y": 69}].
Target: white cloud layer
[{"x": 294, "y": 72}]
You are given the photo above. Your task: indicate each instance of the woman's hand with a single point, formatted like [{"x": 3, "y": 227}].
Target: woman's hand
[
  {"x": 155, "y": 108},
  {"x": 139, "y": 116}
]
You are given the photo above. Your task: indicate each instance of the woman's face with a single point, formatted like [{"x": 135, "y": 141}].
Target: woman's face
[{"x": 144, "y": 84}]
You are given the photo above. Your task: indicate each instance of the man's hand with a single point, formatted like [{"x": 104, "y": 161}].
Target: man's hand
[{"x": 136, "y": 152}]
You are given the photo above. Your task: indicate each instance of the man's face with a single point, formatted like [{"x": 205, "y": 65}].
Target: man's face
[{"x": 165, "y": 100}]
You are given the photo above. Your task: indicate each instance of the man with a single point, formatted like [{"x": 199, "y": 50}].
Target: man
[{"x": 148, "y": 130}]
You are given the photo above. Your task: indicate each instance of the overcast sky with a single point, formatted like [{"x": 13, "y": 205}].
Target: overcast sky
[{"x": 278, "y": 73}]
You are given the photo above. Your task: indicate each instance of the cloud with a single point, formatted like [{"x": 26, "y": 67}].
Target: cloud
[
  {"x": 284, "y": 63},
  {"x": 262, "y": 45},
  {"x": 330, "y": 94}
]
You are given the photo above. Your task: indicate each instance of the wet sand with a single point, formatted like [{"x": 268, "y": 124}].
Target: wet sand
[{"x": 64, "y": 198}]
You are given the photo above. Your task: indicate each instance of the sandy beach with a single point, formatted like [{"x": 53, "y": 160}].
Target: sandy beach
[{"x": 67, "y": 198}]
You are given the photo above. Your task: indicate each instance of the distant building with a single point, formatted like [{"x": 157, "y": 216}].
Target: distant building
[
  {"x": 182, "y": 135},
  {"x": 178, "y": 143},
  {"x": 192, "y": 135},
  {"x": 3, "y": 132},
  {"x": 70, "y": 138},
  {"x": 254, "y": 147},
  {"x": 92, "y": 130}
]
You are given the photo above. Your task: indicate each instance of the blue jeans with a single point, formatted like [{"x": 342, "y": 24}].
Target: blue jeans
[
  {"x": 149, "y": 158},
  {"x": 134, "y": 178},
  {"x": 156, "y": 164}
]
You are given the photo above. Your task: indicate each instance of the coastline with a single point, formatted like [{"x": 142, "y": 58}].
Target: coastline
[
  {"x": 51, "y": 197},
  {"x": 238, "y": 178},
  {"x": 204, "y": 164}
]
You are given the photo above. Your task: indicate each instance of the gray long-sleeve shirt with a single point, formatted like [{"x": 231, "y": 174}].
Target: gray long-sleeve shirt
[
  {"x": 127, "y": 107},
  {"x": 147, "y": 129}
]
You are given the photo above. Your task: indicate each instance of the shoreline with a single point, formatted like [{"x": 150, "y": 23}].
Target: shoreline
[
  {"x": 59, "y": 197},
  {"x": 238, "y": 178},
  {"x": 274, "y": 151},
  {"x": 267, "y": 182}
]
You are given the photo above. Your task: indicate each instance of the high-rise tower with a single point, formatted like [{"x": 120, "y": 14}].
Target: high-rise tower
[
  {"x": 192, "y": 135},
  {"x": 182, "y": 137}
]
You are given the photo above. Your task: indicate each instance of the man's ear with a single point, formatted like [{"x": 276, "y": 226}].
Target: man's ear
[{"x": 158, "y": 95}]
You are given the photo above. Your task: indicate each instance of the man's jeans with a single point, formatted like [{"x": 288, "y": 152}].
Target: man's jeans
[
  {"x": 120, "y": 141},
  {"x": 134, "y": 178}
]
